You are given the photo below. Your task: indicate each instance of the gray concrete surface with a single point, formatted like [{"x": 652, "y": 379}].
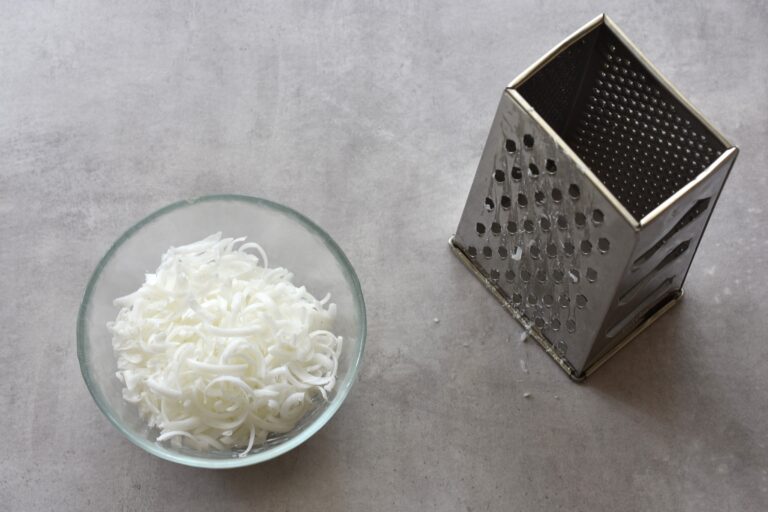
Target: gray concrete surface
[{"x": 370, "y": 117}]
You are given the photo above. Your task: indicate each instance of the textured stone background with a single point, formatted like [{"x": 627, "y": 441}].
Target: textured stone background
[{"x": 369, "y": 117}]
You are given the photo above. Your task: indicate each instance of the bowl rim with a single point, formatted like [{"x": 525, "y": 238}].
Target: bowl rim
[{"x": 317, "y": 423}]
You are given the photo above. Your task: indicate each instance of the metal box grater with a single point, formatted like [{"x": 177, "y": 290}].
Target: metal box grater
[{"x": 591, "y": 196}]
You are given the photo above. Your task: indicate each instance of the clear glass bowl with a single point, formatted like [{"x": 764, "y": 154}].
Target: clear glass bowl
[{"x": 290, "y": 240}]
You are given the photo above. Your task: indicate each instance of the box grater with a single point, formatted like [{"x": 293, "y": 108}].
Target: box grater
[{"x": 592, "y": 194}]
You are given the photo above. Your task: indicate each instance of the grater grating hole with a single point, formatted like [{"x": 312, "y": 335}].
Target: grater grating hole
[
  {"x": 498, "y": 175},
  {"x": 574, "y": 192},
  {"x": 597, "y": 217},
  {"x": 532, "y": 300},
  {"x": 489, "y": 204},
  {"x": 535, "y": 252},
  {"x": 528, "y": 225},
  {"x": 509, "y": 275},
  {"x": 503, "y": 252},
  {"x": 506, "y": 202},
  {"x": 511, "y": 227},
  {"x": 555, "y": 324},
  {"x": 510, "y": 146},
  {"x": 603, "y": 245},
  {"x": 522, "y": 200},
  {"x": 487, "y": 252},
  {"x": 564, "y": 301},
  {"x": 558, "y": 275},
  {"x": 561, "y": 347},
  {"x": 591, "y": 275},
  {"x": 539, "y": 322},
  {"x": 517, "y": 253},
  {"x": 557, "y": 195},
  {"x": 516, "y": 173},
  {"x": 562, "y": 222},
  {"x": 517, "y": 298},
  {"x": 539, "y": 197},
  {"x": 525, "y": 276},
  {"x": 541, "y": 276},
  {"x": 574, "y": 275},
  {"x": 570, "y": 324},
  {"x": 495, "y": 228},
  {"x": 533, "y": 170},
  {"x": 586, "y": 247},
  {"x": 551, "y": 166},
  {"x": 480, "y": 228},
  {"x": 551, "y": 250},
  {"x": 472, "y": 251},
  {"x": 528, "y": 140},
  {"x": 580, "y": 219},
  {"x": 545, "y": 224},
  {"x": 548, "y": 300},
  {"x": 581, "y": 301},
  {"x": 494, "y": 274}
]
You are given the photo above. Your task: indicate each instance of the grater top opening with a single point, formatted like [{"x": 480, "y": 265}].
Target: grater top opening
[{"x": 636, "y": 136}]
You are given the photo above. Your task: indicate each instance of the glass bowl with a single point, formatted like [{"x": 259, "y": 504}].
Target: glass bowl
[{"x": 290, "y": 240}]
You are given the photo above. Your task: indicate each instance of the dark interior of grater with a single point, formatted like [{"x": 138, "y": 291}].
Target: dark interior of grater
[{"x": 638, "y": 139}]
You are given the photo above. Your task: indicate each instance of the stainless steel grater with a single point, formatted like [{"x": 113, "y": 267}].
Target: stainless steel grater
[{"x": 593, "y": 191}]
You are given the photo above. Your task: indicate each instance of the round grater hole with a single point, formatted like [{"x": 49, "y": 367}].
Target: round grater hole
[
  {"x": 528, "y": 225},
  {"x": 511, "y": 227},
  {"x": 498, "y": 175},
  {"x": 539, "y": 322},
  {"x": 552, "y": 250},
  {"x": 528, "y": 140},
  {"x": 557, "y": 195},
  {"x": 597, "y": 217},
  {"x": 561, "y": 346},
  {"x": 533, "y": 170},
  {"x": 558, "y": 275},
  {"x": 550, "y": 166},
  {"x": 603, "y": 245},
  {"x": 555, "y": 324},
  {"x": 591, "y": 275},
  {"x": 503, "y": 252},
  {"x": 574, "y": 275},
  {"x": 570, "y": 324},
  {"x": 532, "y": 300},
  {"x": 494, "y": 274},
  {"x": 548, "y": 300},
  {"x": 541, "y": 276},
  {"x": 489, "y": 204},
  {"x": 510, "y": 146},
  {"x": 517, "y": 253},
  {"x": 539, "y": 197},
  {"x": 516, "y": 173},
  {"x": 472, "y": 251},
  {"x": 509, "y": 275},
  {"x": 506, "y": 202},
  {"x": 586, "y": 247},
  {"x": 522, "y": 200},
  {"x": 535, "y": 252},
  {"x": 562, "y": 222},
  {"x": 580, "y": 220},
  {"x": 564, "y": 301},
  {"x": 525, "y": 276},
  {"x": 574, "y": 192},
  {"x": 495, "y": 228},
  {"x": 581, "y": 301},
  {"x": 545, "y": 224},
  {"x": 480, "y": 228},
  {"x": 487, "y": 252},
  {"x": 517, "y": 298}
]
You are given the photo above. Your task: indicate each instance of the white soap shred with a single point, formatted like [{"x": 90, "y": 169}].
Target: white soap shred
[{"x": 219, "y": 351}]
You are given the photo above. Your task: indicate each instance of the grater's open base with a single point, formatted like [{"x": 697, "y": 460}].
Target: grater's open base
[{"x": 664, "y": 305}]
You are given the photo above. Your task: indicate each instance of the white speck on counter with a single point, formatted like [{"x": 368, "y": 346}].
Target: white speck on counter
[
  {"x": 465, "y": 344},
  {"x": 523, "y": 336},
  {"x": 526, "y": 395},
  {"x": 523, "y": 366},
  {"x": 557, "y": 397},
  {"x": 727, "y": 291},
  {"x": 436, "y": 320},
  {"x": 711, "y": 270}
]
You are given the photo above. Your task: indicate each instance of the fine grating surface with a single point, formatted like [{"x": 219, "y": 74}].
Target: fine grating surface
[{"x": 634, "y": 135}]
